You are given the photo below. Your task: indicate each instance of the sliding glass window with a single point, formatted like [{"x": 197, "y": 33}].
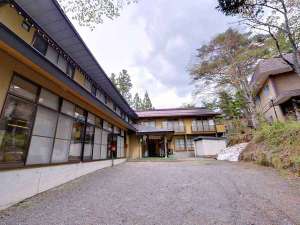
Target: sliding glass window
[
  {"x": 38, "y": 127},
  {"x": 97, "y": 139},
  {"x": 42, "y": 139},
  {"x": 17, "y": 120}
]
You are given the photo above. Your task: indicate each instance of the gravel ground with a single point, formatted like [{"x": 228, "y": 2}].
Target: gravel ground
[{"x": 196, "y": 192}]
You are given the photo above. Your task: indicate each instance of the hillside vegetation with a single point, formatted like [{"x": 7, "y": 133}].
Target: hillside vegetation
[{"x": 276, "y": 145}]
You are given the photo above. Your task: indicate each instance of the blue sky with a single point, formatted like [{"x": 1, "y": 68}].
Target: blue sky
[{"x": 156, "y": 41}]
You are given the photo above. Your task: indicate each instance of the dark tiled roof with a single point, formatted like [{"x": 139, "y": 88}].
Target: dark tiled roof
[
  {"x": 176, "y": 112},
  {"x": 268, "y": 67},
  {"x": 50, "y": 17}
]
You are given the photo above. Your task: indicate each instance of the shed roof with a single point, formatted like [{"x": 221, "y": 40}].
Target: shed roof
[
  {"x": 177, "y": 112},
  {"x": 51, "y": 18}
]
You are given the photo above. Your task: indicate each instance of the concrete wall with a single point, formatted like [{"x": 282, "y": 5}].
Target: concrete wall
[
  {"x": 209, "y": 147},
  {"x": 17, "y": 185}
]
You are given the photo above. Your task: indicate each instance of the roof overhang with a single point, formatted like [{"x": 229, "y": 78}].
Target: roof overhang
[
  {"x": 49, "y": 16},
  {"x": 13, "y": 41},
  {"x": 146, "y": 130},
  {"x": 285, "y": 96}
]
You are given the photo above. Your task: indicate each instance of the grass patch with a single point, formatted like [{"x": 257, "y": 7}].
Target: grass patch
[{"x": 276, "y": 145}]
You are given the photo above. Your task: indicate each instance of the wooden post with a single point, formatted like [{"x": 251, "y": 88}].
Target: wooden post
[
  {"x": 166, "y": 149},
  {"x": 296, "y": 109},
  {"x": 185, "y": 142}
]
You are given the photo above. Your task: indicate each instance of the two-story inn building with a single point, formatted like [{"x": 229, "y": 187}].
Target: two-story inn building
[
  {"x": 61, "y": 116},
  {"x": 277, "y": 89}
]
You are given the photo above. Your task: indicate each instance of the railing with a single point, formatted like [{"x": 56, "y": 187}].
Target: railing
[
  {"x": 179, "y": 129},
  {"x": 204, "y": 128}
]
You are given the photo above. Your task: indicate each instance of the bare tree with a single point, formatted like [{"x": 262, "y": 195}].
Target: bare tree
[
  {"x": 272, "y": 16},
  {"x": 228, "y": 61},
  {"x": 91, "y": 12}
]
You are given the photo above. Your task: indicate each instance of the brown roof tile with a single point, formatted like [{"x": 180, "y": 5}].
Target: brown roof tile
[{"x": 176, "y": 112}]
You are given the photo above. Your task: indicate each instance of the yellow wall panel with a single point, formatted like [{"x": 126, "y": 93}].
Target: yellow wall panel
[
  {"x": 12, "y": 20},
  {"x": 79, "y": 78},
  {"x": 9, "y": 65}
]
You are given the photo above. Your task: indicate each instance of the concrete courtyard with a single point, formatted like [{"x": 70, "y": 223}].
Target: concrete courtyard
[{"x": 193, "y": 192}]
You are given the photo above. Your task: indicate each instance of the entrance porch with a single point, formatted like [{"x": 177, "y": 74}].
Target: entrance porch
[{"x": 154, "y": 142}]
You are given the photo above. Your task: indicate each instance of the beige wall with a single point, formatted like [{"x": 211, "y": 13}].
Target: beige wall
[
  {"x": 134, "y": 147},
  {"x": 277, "y": 84},
  {"x": 9, "y": 65},
  {"x": 79, "y": 78},
  {"x": 12, "y": 20},
  {"x": 286, "y": 82}
]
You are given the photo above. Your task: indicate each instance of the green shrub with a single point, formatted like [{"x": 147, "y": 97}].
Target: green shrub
[{"x": 279, "y": 134}]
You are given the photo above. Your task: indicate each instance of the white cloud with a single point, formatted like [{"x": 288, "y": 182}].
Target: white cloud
[{"x": 155, "y": 40}]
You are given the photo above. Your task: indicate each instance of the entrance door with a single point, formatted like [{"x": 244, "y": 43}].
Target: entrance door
[
  {"x": 152, "y": 148},
  {"x": 112, "y": 146}
]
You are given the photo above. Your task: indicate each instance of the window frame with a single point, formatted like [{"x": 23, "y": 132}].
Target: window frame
[{"x": 16, "y": 165}]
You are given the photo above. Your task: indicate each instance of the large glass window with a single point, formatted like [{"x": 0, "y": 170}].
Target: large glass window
[
  {"x": 104, "y": 144},
  {"x": 42, "y": 136},
  {"x": 48, "y": 99},
  {"x": 68, "y": 108},
  {"x": 179, "y": 144},
  {"x": 23, "y": 88},
  {"x": 62, "y": 139},
  {"x": 15, "y": 127},
  {"x": 97, "y": 143},
  {"x": 120, "y": 147},
  {"x": 89, "y": 141},
  {"x": 77, "y": 139}
]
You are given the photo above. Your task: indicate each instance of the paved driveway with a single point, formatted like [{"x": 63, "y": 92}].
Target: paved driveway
[{"x": 199, "y": 192}]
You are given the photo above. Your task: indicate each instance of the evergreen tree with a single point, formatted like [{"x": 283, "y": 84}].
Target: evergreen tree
[
  {"x": 137, "y": 102},
  {"x": 147, "y": 104},
  {"x": 124, "y": 85}
]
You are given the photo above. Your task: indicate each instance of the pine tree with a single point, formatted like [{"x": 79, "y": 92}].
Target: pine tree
[
  {"x": 124, "y": 85},
  {"x": 137, "y": 102},
  {"x": 147, "y": 104}
]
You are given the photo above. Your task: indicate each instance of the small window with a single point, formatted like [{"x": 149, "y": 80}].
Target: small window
[
  {"x": 105, "y": 99},
  {"x": 40, "y": 44},
  {"x": 62, "y": 63},
  {"x": 257, "y": 100},
  {"x": 26, "y": 24},
  {"x": 266, "y": 90},
  {"x": 87, "y": 85},
  {"x": 93, "y": 90},
  {"x": 52, "y": 55},
  {"x": 70, "y": 70}
]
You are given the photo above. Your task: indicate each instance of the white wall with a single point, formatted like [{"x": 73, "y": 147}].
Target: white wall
[
  {"x": 17, "y": 185},
  {"x": 209, "y": 147}
]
